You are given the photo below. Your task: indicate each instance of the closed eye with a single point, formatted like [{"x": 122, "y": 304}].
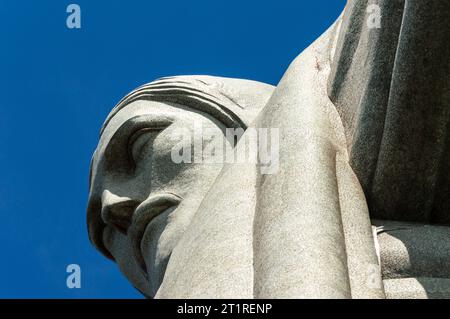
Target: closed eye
[
  {"x": 130, "y": 139},
  {"x": 139, "y": 140}
]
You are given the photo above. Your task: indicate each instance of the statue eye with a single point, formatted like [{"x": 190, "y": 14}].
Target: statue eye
[{"x": 139, "y": 141}]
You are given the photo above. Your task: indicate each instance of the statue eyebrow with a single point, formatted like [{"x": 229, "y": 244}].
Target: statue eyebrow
[{"x": 147, "y": 121}]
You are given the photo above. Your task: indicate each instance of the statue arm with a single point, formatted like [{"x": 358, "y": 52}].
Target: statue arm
[{"x": 312, "y": 232}]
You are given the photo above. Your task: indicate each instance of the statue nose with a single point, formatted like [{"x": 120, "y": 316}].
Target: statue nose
[{"x": 117, "y": 211}]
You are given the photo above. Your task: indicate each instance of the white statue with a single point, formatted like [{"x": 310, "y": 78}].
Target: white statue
[{"x": 358, "y": 204}]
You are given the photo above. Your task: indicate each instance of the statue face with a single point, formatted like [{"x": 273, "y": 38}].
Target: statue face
[{"x": 140, "y": 200}]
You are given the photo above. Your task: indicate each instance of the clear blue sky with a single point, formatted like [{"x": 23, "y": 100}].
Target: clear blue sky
[{"x": 57, "y": 85}]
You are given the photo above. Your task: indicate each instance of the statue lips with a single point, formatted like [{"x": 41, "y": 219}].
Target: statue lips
[{"x": 144, "y": 214}]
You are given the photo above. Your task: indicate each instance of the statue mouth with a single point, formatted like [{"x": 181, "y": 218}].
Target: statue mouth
[{"x": 143, "y": 216}]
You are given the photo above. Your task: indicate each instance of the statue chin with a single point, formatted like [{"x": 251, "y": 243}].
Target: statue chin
[{"x": 357, "y": 204}]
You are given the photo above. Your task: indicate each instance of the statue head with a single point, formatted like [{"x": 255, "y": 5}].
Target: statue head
[{"x": 141, "y": 201}]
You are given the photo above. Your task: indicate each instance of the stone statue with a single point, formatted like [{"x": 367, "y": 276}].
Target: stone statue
[{"x": 358, "y": 206}]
